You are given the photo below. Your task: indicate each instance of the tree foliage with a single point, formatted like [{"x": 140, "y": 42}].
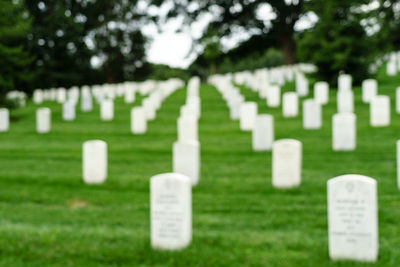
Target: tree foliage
[
  {"x": 14, "y": 60},
  {"x": 338, "y": 42},
  {"x": 243, "y": 17},
  {"x": 67, "y": 35}
]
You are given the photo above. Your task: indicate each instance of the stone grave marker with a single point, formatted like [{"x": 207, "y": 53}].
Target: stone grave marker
[
  {"x": 353, "y": 218},
  {"x": 286, "y": 163},
  {"x": 170, "y": 211},
  {"x": 94, "y": 161}
]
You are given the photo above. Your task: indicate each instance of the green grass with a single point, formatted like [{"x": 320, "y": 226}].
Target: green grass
[{"x": 48, "y": 217}]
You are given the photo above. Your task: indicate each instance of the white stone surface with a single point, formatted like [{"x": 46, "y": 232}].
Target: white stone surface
[
  {"x": 369, "y": 90},
  {"x": 94, "y": 161},
  {"x": 138, "y": 120},
  {"x": 344, "y": 132},
  {"x": 107, "y": 110},
  {"x": 61, "y": 95},
  {"x": 391, "y": 68},
  {"x": 186, "y": 159},
  {"x": 286, "y": 163},
  {"x": 263, "y": 133},
  {"x": 86, "y": 102},
  {"x": 68, "y": 111},
  {"x": 345, "y": 82},
  {"x": 345, "y": 101},
  {"x": 274, "y": 96},
  {"x": 187, "y": 128},
  {"x": 312, "y": 114},
  {"x": 353, "y": 218},
  {"x": 43, "y": 120},
  {"x": 195, "y": 103},
  {"x": 248, "y": 113},
  {"x": 38, "y": 96},
  {"x": 290, "y": 105},
  {"x": 398, "y": 163},
  {"x": 398, "y": 100},
  {"x": 170, "y": 211},
  {"x": 380, "y": 111},
  {"x": 4, "y": 120},
  {"x": 321, "y": 92},
  {"x": 129, "y": 95},
  {"x": 301, "y": 85}
]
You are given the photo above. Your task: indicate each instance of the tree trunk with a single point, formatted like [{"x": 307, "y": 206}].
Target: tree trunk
[{"x": 288, "y": 48}]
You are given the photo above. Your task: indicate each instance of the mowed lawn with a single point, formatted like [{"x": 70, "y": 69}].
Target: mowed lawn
[{"x": 49, "y": 217}]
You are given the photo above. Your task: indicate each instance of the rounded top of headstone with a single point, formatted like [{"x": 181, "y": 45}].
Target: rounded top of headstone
[
  {"x": 381, "y": 98},
  {"x": 171, "y": 176},
  {"x": 352, "y": 177},
  {"x": 290, "y": 93},
  {"x": 264, "y": 117},
  {"x": 287, "y": 141},
  {"x": 44, "y": 109},
  {"x": 345, "y": 115},
  {"x": 95, "y": 142}
]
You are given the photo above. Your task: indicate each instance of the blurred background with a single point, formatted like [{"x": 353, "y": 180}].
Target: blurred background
[{"x": 64, "y": 43}]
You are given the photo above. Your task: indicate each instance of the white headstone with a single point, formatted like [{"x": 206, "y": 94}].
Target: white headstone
[
  {"x": 195, "y": 103},
  {"x": 129, "y": 96},
  {"x": 107, "y": 110},
  {"x": 321, "y": 92},
  {"x": 344, "y": 132},
  {"x": 345, "y": 101},
  {"x": 391, "y": 68},
  {"x": 263, "y": 133},
  {"x": 380, "y": 111},
  {"x": 86, "y": 102},
  {"x": 344, "y": 82},
  {"x": 369, "y": 90},
  {"x": 149, "y": 109},
  {"x": 4, "y": 120},
  {"x": 43, "y": 120},
  {"x": 398, "y": 163},
  {"x": 61, "y": 95},
  {"x": 94, "y": 162},
  {"x": 187, "y": 128},
  {"x": 301, "y": 85},
  {"x": 290, "y": 105},
  {"x": 186, "y": 159},
  {"x": 398, "y": 100},
  {"x": 170, "y": 211},
  {"x": 38, "y": 96},
  {"x": 353, "y": 218},
  {"x": 312, "y": 115},
  {"x": 248, "y": 113},
  {"x": 274, "y": 96},
  {"x": 138, "y": 120},
  {"x": 286, "y": 163},
  {"x": 68, "y": 111}
]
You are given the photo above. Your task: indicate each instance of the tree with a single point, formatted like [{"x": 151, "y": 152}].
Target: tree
[
  {"x": 233, "y": 17},
  {"x": 13, "y": 58},
  {"x": 338, "y": 41},
  {"x": 69, "y": 35}
]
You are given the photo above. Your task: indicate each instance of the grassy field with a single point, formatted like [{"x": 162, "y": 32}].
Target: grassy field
[{"x": 48, "y": 217}]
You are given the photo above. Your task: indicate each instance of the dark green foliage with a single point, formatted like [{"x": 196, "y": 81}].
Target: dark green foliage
[
  {"x": 338, "y": 42},
  {"x": 14, "y": 26},
  {"x": 68, "y": 34}
]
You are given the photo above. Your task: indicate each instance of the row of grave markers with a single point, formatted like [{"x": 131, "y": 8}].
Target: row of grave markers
[{"x": 352, "y": 199}]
